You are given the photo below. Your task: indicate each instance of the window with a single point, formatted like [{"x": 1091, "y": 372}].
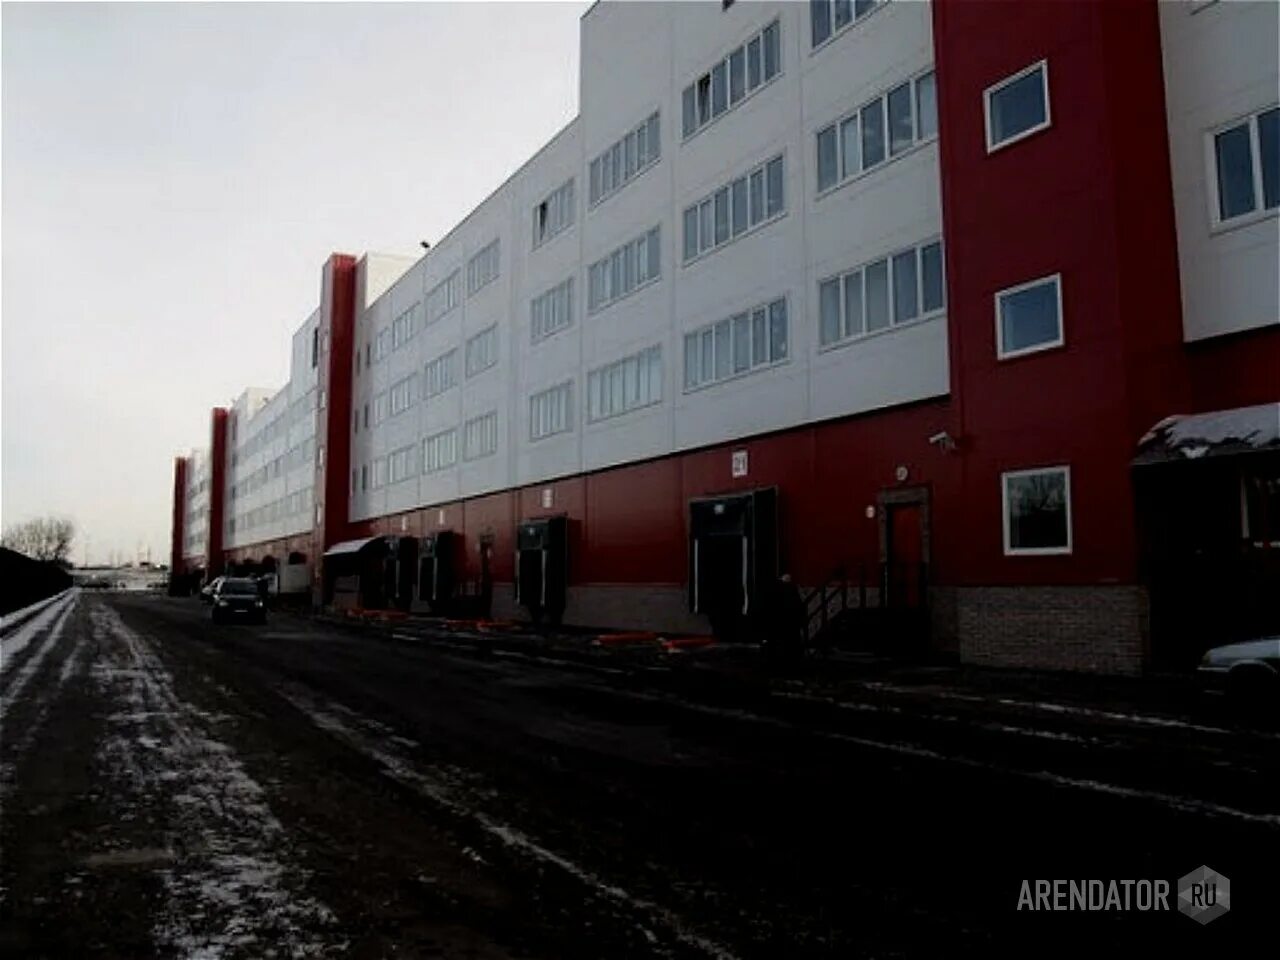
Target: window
[
  {"x": 1017, "y": 107},
  {"x": 1037, "y": 511},
  {"x": 1246, "y": 162},
  {"x": 624, "y": 385},
  {"x": 829, "y": 17},
  {"x": 550, "y": 411},
  {"x": 865, "y": 138},
  {"x": 379, "y": 472},
  {"x": 482, "y": 351},
  {"x": 482, "y": 269},
  {"x": 889, "y": 291},
  {"x": 480, "y": 436},
  {"x": 402, "y": 464},
  {"x": 442, "y": 298},
  {"x": 440, "y": 451},
  {"x": 440, "y": 374},
  {"x": 405, "y": 326},
  {"x": 554, "y": 214},
  {"x": 315, "y": 347},
  {"x": 402, "y": 395},
  {"x": 380, "y": 408},
  {"x": 1029, "y": 317},
  {"x": 625, "y": 159},
  {"x": 551, "y": 311},
  {"x": 752, "y": 199},
  {"x": 732, "y": 79},
  {"x": 382, "y": 344},
  {"x": 624, "y": 270},
  {"x": 746, "y": 341}
]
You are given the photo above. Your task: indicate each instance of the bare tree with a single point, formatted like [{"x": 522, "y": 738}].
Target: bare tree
[{"x": 44, "y": 538}]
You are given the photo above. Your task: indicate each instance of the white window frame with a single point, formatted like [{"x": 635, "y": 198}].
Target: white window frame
[
  {"x": 837, "y": 125},
  {"x": 767, "y": 218},
  {"x": 1001, "y": 352},
  {"x": 752, "y": 367},
  {"x": 840, "y": 31},
  {"x": 489, "y": 334},
  {"x": 748, "y": 91},
  {"x": 1005, "y": 477},
  {"x": 922, "y": 315},
  {"x": 1000, "y": 85},
  {"x": 1260, "y": 210}
]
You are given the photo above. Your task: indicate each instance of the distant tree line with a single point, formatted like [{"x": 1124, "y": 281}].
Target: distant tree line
[{"x": 47, "y": 539}]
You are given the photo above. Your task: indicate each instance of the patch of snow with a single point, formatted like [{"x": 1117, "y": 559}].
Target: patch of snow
[
  {"x": 21, "y": 636},
  {"x": 227, "y": 888}
]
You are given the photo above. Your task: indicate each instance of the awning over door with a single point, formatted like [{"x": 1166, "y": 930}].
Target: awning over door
[
  {"x": 1221, "y": 433},
  {"x": 349, "y": 546}
]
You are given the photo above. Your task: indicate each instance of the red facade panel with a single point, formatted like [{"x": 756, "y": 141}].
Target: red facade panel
[
  {"x": 1238, "y": 371},
  {"x": 178, "y": 539},
  {"x": 1057, "y": 203},
  {"x": 217, "y": 491}
]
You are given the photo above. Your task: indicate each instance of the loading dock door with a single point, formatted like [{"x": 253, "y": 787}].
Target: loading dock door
[
  {"x": 733, "y": 556},
  {"x": 542, "y": 566},
  {"x": 437, "y": 568}
]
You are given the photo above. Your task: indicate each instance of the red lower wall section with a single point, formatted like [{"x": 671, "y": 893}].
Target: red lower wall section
[{"x": 1236, "y": 371}]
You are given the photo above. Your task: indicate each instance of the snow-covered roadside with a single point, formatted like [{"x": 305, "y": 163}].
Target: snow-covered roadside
[
  {"x": 19, "y": 637},
  {"x": 230, "y": 889}
]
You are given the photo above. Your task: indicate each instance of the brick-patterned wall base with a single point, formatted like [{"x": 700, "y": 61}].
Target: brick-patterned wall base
[
  {"x": 661, "y": 609},
  {"x": 1096, "y": 628}
]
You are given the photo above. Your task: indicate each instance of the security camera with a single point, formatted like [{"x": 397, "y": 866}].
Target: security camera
[{"x": 940, "y": 437}]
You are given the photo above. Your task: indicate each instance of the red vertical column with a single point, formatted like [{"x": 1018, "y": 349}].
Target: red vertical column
[
  {"x": 333, "y": 414},
  {"x": 214, "y": 563},
  {"x": 177, "y": 541},
  {"x": 1088, "y": 198}
]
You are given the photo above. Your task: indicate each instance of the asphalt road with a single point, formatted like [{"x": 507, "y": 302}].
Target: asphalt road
[{"x": 171, "y": 788}]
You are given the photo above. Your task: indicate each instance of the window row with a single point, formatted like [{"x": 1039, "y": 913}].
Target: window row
[
  {"x": 443, "y": 297},
  {"x": 554, "y": 214},
  {"x": 889, "y": 291},
  {"x": 625, "y": 385},
  {"x": 299, "y": 455},
  {"x": 630, "y": 266},
  {"x": 550, "y": 411},
  {"x": 732, "y": 79},
  {"x": 405, "y": 326},
  {"x": 440, "y": 374},
  {"x": 883, "y": 128},
  {"x": 551, "y": 311},
  {"x": 287, "y": 506},
  {"x": 829, "y": 17},
  {"x": 482, "y": 268},
  {"x": 402, "y": 395},
  {"x": 440, "y": 451},
  {"x": 625, "y": 159},
  {"x": 735, "y": 208},
  {"x": 746, "y": 341},
  {"x": 1246, "y": 161},
  {"x": 482, "y": 350},
  {"x": 301, "y": 410}
]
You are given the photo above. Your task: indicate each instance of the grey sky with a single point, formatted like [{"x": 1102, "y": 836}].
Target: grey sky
[{"x": 175, "y": 175}]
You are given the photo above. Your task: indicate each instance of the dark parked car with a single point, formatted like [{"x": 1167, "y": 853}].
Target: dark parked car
[{"x": 238, "y": 598}]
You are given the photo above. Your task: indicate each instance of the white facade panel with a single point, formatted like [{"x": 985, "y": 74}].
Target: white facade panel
[
  {"x": 637, "y": 59},
  {"x": 1220, "y": 66}
]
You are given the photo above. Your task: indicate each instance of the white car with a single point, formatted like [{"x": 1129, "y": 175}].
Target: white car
[{"x": 1248, "y": 672}]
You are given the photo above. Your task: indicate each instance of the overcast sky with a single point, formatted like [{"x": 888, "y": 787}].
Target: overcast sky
[{"x": 174, "y": 176}]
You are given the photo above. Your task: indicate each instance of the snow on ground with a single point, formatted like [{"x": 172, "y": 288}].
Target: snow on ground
[
  {"x": 452, "y": 789},
  {"x": 229, "y": 888},
  {"x": 19, "y": 638}
]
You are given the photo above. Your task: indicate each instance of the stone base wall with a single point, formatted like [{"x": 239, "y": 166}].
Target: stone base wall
[{"x": 1099, "y": 629}]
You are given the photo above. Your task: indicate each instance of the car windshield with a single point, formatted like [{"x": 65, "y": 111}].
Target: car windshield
[{"x": 247, "y": 587}]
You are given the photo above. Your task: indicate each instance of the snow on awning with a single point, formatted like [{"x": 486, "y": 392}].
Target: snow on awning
[
  {"x": 1221, "y": 433},
  {"x": 349, "y": 546}
]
